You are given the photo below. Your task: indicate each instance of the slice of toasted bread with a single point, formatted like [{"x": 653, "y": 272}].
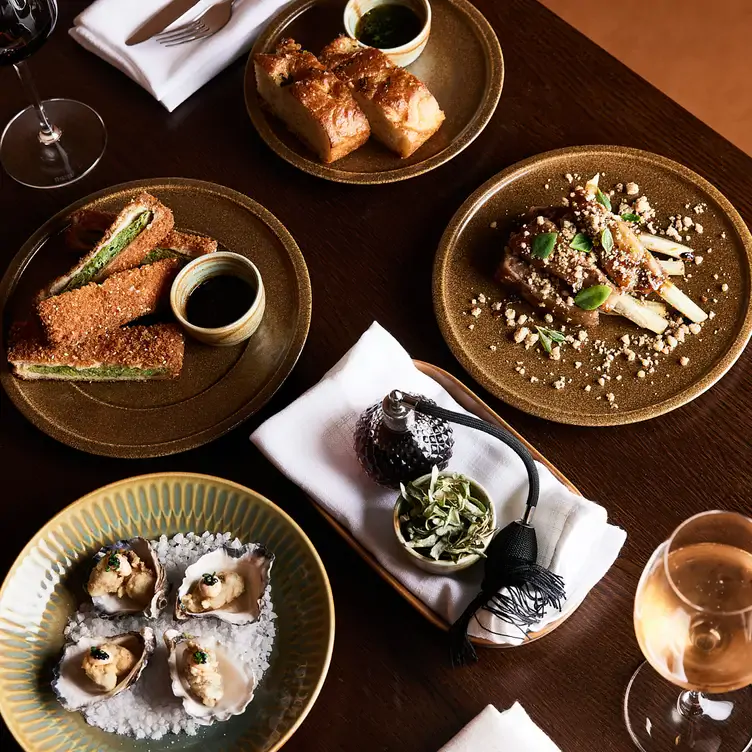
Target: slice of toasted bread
[
  {"x": 136, "y": 230},
  {"x": 402, "y": 112},
  {"x": 311, "y": 101}
]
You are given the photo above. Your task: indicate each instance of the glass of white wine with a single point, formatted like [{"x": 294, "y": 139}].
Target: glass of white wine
[{"x": 693, "y": 620}]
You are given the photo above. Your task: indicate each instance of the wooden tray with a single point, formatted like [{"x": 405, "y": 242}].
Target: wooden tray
[{"x": 472, "y": 403}]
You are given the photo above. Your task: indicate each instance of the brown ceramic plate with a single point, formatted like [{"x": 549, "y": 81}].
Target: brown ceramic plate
[
  {"x": 471, "y": 249},
  {"x": 462, "y": 65},
  {"x": 472, "y": 403},
  {"x": 219, "y": 387}
]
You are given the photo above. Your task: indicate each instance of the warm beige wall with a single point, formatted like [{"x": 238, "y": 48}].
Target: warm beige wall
[{"x": 699, "y": 52}]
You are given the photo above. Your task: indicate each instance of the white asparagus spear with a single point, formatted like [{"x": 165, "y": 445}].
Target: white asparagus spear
[
  {"x": 665, "y": 246},
  {"x": 676, "y": 298},
  {"x": 660, "y": 308},
  {"x": 672, "y": 267},
  {"x": 637, "y": 312}
]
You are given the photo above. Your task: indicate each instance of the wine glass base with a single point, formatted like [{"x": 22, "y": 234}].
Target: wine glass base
[
  {"x": 656, "y": 725},
  {"x": 74, "y": 155}
]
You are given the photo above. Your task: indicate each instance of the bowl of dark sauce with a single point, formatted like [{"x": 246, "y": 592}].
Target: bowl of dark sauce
[
  {"x": 219, "y": 298},
  {"x": 399, "y": 28}
]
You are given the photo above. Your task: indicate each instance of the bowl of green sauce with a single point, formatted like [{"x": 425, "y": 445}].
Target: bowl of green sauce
[{"x": 399, "y": 28}]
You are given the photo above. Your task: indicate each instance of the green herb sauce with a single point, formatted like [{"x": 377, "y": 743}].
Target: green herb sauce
[
  {"x": 388, "y": 26},
  {"x": 108, "y": 252}
]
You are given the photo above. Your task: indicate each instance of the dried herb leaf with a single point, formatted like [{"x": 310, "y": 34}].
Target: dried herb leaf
[
  {"x": 581, "y": 242},
  {"x": 592, "y": 297},
  {"x": 548, "y": 337},
  {"x": 607, "y": 240},
  {"x": 543, "y": 244},
  {"x": 602, "y": 199},
  {"x": 442, "y": 519},
  {"x": 629, "y": 217}
]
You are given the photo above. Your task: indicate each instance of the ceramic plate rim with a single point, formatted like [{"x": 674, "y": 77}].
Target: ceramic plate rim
[
  {"x": 475, "y": 126},
  {"x": 30, "y": 247},
  {"x": 156, "y": 477},
  {"x": 497, "y": 183}
]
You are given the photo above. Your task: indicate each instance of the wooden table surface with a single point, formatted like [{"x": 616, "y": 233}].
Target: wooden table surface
[{"x": 370, "y": 252}]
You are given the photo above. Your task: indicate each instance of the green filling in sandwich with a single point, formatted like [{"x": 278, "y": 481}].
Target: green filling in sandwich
[
  {"x": 159, "y": 254},
  {"x": 99, "y": 372},
  {"x": 107, "y": 253}
]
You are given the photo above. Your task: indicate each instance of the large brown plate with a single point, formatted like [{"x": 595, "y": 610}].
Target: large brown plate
[
  {"x": 471, "y": 249},
  {"x": 219, "y": 387},
  {"x": 473, "y": 404},
  {"x": 462, "y": 65}
]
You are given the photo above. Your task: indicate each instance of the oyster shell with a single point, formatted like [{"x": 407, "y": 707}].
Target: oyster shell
[
  {"x": 237, "y": 680},
  {"x": 73, "y": 687},
  {"x": 112, "y": 604},
  {"x": 253, "y": 562}
]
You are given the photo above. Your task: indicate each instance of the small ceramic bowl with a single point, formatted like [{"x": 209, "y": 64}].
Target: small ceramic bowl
[
  {"x": 213, "y": 265},
  {"x": 432, "y": 565},
  {"x": 406, "y": 53}
]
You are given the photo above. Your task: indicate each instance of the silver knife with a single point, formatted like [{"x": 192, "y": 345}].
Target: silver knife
[{"x": 161, "y": 20}]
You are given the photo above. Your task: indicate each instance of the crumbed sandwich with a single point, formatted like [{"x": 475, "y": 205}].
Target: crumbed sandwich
[
  {"x": 94, "y": 309},
  {"x": 135, "y": 353},
  {"x": 402, "y": 112},
  {"x": 313, "y": 103},
  {"x": 136, "y": 230},
  {"x": 87, "y": 227}
]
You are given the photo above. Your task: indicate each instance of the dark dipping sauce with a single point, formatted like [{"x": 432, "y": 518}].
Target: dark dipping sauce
[
  {"x": 219, "y": 301},
  {"x": 388, "y": 26}
]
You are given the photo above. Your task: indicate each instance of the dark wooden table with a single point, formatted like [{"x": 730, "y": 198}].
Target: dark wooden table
[{"x": 370, "y": 252}]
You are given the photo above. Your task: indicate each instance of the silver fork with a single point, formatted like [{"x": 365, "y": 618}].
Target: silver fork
[{"x": 207, "y": 23}]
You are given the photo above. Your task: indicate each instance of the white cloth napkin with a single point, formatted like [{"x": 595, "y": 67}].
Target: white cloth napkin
[
  {"x": 492, "y": 731},
  {"x": 311, "y": 441},
  {"x": 170, "y": 74}
]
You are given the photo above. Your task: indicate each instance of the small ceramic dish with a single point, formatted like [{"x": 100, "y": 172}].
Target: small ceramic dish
[
  {"x": 406, "y": 53},
  {"x": 440, "y": 566},
  {"x": 213, "y": 265}
]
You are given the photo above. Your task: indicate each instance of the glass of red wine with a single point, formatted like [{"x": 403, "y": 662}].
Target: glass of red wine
[{"x": 52, "y": 142}]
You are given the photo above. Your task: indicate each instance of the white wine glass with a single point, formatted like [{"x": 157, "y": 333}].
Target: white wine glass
[
  {"x": 693, "y": 621},
  {"x": 53, "y": 142}
]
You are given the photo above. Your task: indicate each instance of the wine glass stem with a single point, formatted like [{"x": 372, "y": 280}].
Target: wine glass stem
[
  {"x": 689, "y": 704},
  {"x": 48, "y": 133}
]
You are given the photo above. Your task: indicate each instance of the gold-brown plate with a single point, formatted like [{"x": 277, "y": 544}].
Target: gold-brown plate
[
  {"x": 462, "y": 65},
  {"x": 43, "y": 589},
  {"x": 220, "y": 386},
  {"x": 471, "y": 249},
  {"x": 473, "y": 404}
]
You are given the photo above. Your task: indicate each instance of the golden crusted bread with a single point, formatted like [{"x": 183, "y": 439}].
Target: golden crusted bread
[
  {"x": 313, "y": 103},
  {"x": 401, "y": 110},
  {"x": 131, "y": 353},
  {"x": 94, "y": 309},
  {"x": 160, "y": 223}
]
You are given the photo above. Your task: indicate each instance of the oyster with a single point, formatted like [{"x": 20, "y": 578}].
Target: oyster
[
  {"x": 210, "y": 681},
  {"x": 227, "y": 583},
  {"x": 127, "y": 578},
  {"x": 97, "y": 668}
]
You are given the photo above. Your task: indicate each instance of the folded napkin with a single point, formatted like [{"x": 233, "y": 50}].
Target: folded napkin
[
  {"x": 311, "y": 441},
  {"x": 492, "y": 731},
  {"x": 170, "y": 74}
]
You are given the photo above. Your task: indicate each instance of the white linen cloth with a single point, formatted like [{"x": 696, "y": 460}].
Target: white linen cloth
[
  {"x": 311, "y": 441},
  {"x": 509, "y": 731},
  {"x": 169, "y": 74}
]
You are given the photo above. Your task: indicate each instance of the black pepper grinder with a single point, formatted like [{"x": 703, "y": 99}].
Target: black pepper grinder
[{"x": 395, "y": 443}]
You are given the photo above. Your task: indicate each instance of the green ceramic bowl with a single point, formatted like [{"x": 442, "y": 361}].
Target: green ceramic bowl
[{"x": 37, "y": 598}]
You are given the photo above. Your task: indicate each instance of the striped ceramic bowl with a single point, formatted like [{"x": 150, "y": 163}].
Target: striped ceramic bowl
[{"x": 36, "y": 601}]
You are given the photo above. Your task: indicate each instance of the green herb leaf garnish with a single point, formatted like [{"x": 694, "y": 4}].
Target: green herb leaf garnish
[
  {"x": 209, "y": 578},
  {"x": 592, "y": 297},
  {"x": 548, "y": 337},
  {"x": 99, "y": 654},
  {"x": 543, "y": 244},
  {"x": 443, "y": 519},
  {"x": 629, "y": 217},
  {"x": 607, "y": 240},
  {"x": 200, "y": 657},
  {"x": 602, "y": 198},
  {"x": 112, "y": 562},
  {"x": 581, "y": 242}
]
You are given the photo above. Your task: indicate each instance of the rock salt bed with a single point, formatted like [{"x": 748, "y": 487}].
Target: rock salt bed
[{"x": 149, "y": 709}]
